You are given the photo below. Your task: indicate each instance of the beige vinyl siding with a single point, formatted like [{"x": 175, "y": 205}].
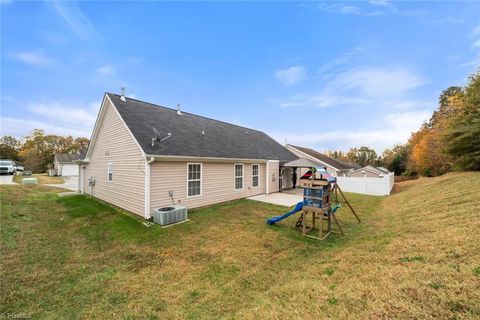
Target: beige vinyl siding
[
  {"x": 217, "y": 183},
  {"x": 114, "y": 144},
  {"x": 273, "y": 176}
]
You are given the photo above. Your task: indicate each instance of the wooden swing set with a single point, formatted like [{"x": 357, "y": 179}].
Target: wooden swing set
[{"x": 317, "y": 203}]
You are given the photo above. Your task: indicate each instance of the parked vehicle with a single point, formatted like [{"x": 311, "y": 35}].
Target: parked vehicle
[
  {"x": 7, "y": 166},
  {"x": 18, "y": 166}
]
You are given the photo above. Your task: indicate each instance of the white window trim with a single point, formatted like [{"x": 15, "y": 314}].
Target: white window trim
[
  {"x": 108, "y": 171},
  {"x": 201, "y": 180},
  {"x": 234, "y": 176},
  {"x": 258, "y": 175}
]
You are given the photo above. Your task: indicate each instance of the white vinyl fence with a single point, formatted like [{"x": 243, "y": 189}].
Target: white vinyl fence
[{"x": 367, "y": 185}]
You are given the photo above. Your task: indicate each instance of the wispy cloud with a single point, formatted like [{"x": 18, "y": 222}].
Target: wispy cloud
[
  {"x": 371, "y": 9},
  {"x": 397, "y": 129},
  {"x": 386, "y": 86},
  {"x": 380, "y": 2},
  {"x": 340, "y": 62},
  {"x": 349, "y": 9},
  {"x": 291, "y": 75},
  {"x": 68, "y": 113},
  {"x": 448, "y": 20},
  {"x": 75, "y": 18},
  {"x": 58, "y": 117},
  {"x": 32, "y": 57},
  {"x": 105, "y": 69},
  {"x": 19, "y": 127},
  {"x": 475, "y": 47}
]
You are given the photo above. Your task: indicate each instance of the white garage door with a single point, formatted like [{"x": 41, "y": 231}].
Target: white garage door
[{"x": 69, "y": 170}]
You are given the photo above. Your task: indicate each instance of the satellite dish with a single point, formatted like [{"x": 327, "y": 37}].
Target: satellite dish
[
  {"x": 157, "y": 138},
  {"x": 156, "y": 135}
]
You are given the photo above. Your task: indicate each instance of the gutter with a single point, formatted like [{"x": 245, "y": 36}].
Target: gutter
[
  {"x": 216, "y": 159},
  {"x": 147, "y": 187}
]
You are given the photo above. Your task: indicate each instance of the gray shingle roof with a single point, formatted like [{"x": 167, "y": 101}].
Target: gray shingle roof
[
  {"x": 338, "y": 164},
  {"x": 301, "y": 163},
  {"x": 66, "y": 158},
  {"x": 221, "y": 139}
]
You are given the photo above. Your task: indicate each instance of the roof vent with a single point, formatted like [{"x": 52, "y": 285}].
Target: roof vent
[
  {"x": 179, "y": 112},
  {"x": 203, "y": 132},
  {"x": 246, "y": 132},
  {"x": 122, "y": 94}
]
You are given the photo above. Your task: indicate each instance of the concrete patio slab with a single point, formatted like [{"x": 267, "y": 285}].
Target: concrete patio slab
[
  {"x": 71, "y": 183},
  {"x": 279, "y": 198}
]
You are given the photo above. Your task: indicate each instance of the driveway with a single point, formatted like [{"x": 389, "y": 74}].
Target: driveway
[
  {"x": 71, "y": 183},
  {"x": 6, "y": 179}
]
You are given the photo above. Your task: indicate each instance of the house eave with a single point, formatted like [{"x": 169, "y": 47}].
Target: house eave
[
  {"x": 310, "y": 156},
  {"x": 207, "y": 159}
]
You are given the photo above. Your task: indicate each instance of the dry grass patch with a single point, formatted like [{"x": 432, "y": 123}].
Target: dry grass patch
[
  {"x": 42, "y": 178},
  {"x": 416, "y": 255}
]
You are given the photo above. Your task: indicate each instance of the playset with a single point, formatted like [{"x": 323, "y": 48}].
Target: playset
[{"x": 319, "y": 189}]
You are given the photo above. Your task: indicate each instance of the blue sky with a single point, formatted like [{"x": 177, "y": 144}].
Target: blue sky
[{"x": 328, "y": 75}]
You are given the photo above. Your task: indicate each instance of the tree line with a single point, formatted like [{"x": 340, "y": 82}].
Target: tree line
[
  {"x": 36, "y": 151},
  {"x": 449, "y": 141}
]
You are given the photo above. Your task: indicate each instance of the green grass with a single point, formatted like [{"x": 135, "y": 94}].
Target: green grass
[{"x": 415, "y": 255}]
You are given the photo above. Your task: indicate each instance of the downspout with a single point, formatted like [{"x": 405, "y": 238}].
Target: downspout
[
  {"x": 79, "y": 182},
  {"x": 147, "y": 187},
  {"x": 267, "y": 177}
]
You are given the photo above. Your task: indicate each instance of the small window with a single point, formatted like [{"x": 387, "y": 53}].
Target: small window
[
  {"x": 238, "y": 176},
  {"x": 110, "y": 172},
  {"x": 255, "y": 175},
  {"x": 194, "y": 180}
]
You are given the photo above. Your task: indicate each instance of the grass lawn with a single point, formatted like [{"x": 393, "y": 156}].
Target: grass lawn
[
  {"x": 42, "y": 178},
  {"x": 415, "y": 255}
]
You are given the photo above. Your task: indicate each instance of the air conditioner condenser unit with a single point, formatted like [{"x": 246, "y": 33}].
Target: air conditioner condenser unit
[{"x": 169, "y": 215}]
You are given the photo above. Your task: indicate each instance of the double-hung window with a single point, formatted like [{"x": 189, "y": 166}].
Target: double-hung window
[
  {"x": 255, "y": 175},
  {"x": 238, "y": 169},
  {"x": 110, "y": 172},
  {"x": 194, "y": 180}
]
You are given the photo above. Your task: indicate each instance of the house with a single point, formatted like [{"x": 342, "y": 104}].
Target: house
[
  {"x": 65, "y": 164},
  {"x": 333, "y": 166},
  {"x": 369, "y": 171},
  {"x": 144, "y": 156}
]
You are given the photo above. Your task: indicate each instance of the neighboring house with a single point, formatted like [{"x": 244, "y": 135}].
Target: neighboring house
[
  {"x": 196, "y": 161},
  {"x": 64, "y": 164},
  {"x": 368, "y": 180},
  {"x": 369, "y": 171},
  {"x": 333, "y": 166}
]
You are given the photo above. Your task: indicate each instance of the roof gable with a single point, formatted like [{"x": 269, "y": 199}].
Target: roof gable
[
  {"x": 336, "y": 164},
  {"x": 371, "y": 169},
  {"x": 66, "y": 158},
  {"x": 106, "y": 104},
  {"x": 193, "y": 135}
]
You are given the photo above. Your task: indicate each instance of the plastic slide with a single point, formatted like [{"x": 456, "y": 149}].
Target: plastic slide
[
  {"x": 297, "y": 208},
  {"x": 335, "y": 207}
]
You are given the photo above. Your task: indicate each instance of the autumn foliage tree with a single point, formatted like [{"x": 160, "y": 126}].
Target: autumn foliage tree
[
  {"x": 451, "y": 138},
  {"x": 363, "y": 156},
  {"x": 396, "y": 159},
  {"x": 37, "y": 150},
  {"x": 10, "y": 148},
  {"x": 463, "y": 135}
]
